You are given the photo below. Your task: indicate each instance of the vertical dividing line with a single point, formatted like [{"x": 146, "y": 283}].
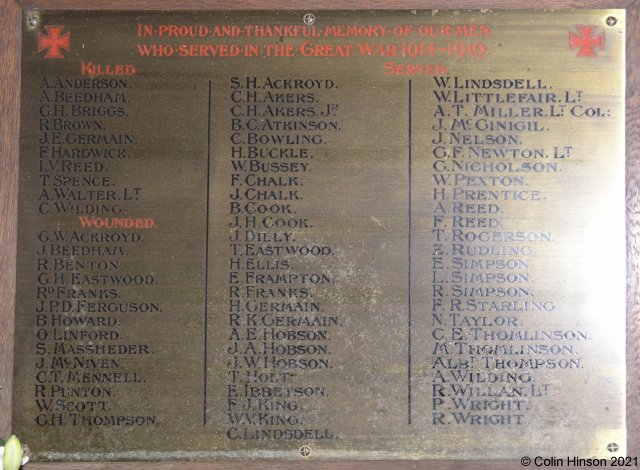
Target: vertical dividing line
[
  {"x": 206, "y": 260},
  {"x": 409, "y": 336}
]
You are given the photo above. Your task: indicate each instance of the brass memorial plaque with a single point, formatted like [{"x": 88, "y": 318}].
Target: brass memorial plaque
[{"x": 321, "y": 235}]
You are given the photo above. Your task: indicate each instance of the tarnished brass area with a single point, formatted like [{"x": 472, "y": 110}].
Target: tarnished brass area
[{"x": 321, "y": 235}]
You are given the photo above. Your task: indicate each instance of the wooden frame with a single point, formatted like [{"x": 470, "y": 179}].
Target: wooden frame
[{"x": 10, "y": 25}]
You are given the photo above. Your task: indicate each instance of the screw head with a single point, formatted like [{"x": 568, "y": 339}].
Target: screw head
[
  {"x": 309, "y": 19},
  {"x": 305, "y": 451},
  {"x": 611, "y": 21},
  {"x": 612, "y": 447},
  {"x": 33, "y": 21}
]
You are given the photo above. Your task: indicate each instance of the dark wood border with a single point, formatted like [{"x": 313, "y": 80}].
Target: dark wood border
[{"x": 10, "y": 18}]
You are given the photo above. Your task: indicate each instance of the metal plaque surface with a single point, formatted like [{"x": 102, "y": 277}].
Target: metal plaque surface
[{"x": 321, "y": 235}]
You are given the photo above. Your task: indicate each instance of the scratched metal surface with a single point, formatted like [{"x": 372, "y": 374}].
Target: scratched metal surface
[{"x": 358, "y": 197}]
